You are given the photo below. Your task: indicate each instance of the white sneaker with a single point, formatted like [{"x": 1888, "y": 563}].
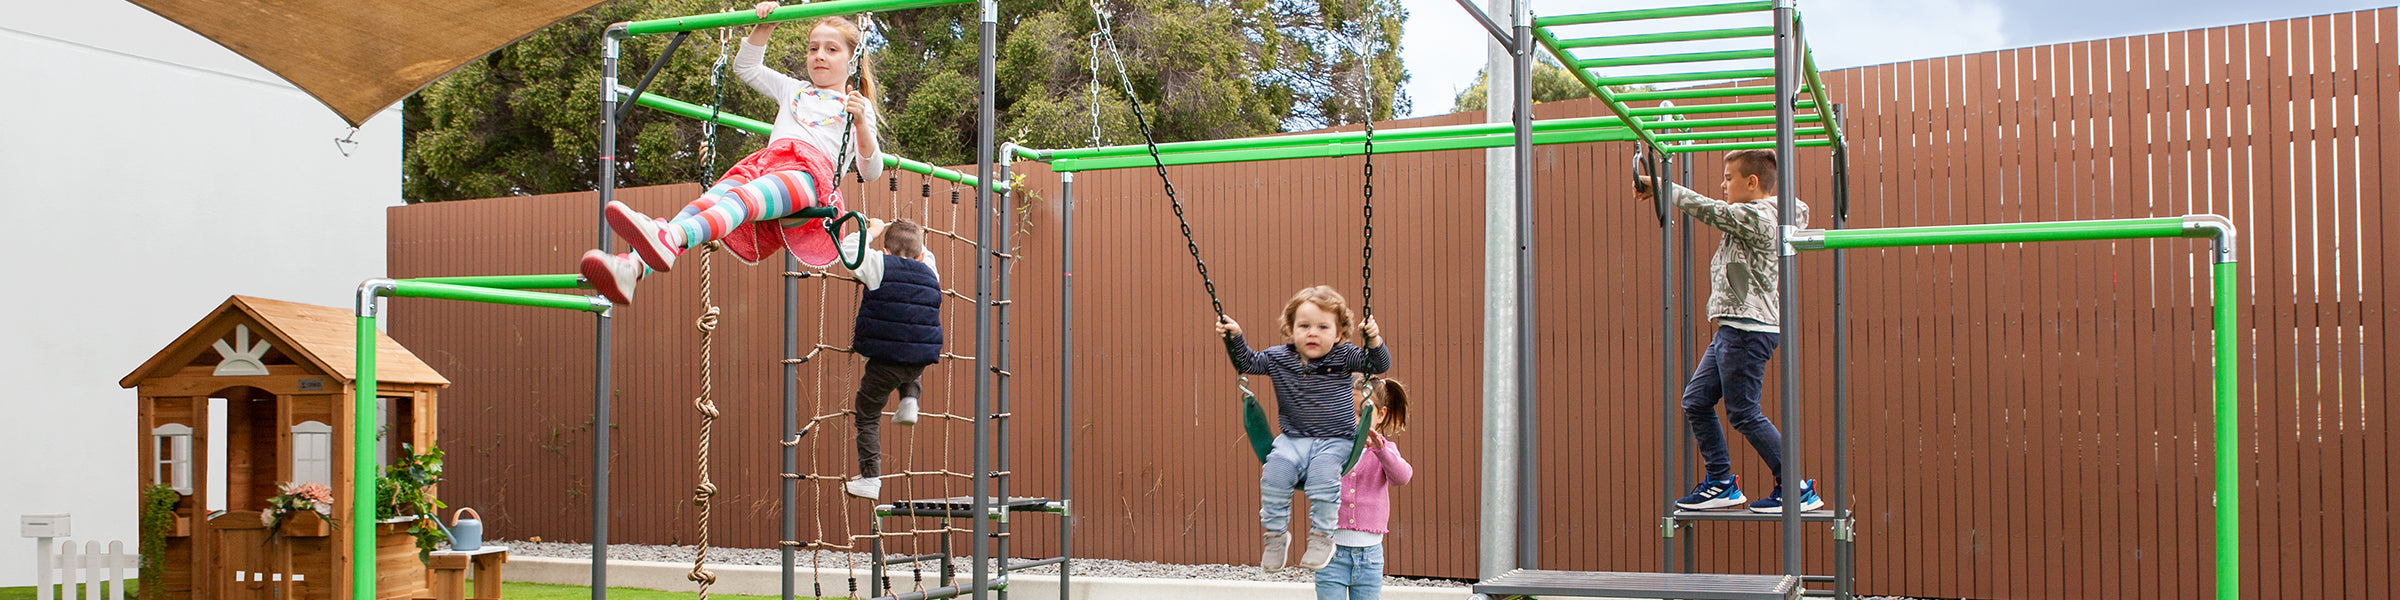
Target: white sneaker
[
  {"x": 653, "y": 240},
  {"x": 1279, "y": 548},
  {"x": 863, "y": 487},
  {"x": 1320, "y": 551},
  {"x": 612, "y": 275},
  {"x": 907, "y": 413}
]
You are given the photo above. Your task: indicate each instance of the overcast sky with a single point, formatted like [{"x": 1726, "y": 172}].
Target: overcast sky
[{"x": 1444, "y": 47}]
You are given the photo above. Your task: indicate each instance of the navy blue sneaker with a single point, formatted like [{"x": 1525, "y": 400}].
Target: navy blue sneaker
[
  {"x": 1712, "y": 494},
  {"x": 1773, "y": 504}
]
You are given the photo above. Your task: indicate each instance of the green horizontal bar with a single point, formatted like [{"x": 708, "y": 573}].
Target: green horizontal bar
[
  {"x": 1997, "y": 233},
  {"x": 1654, "y": 13},
  {"x": 1335, "y": 150},
  {"x": 1727, "y": 122},
  {"x": 1693, "y": 109},
  {"x": 512, "y": 282},
  {"x": 1732, "y": 146},
  {"x": 1320, "y": 139},
  {"x": 1663, "y": 59},
  {"x": 1739, "y": 134},
  {"x": 788, "y": 13},
  {"x": 755, "y": 126},
  {"x": 444, "y": 291},
  {"x": 1671, "y": 36},
  {"x": 1726, "y": 92},
  {"x": 1695, "y": 76},
  {"x": 696, "y": 111}
]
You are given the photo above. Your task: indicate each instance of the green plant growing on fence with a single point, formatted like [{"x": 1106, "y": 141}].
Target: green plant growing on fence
[
  {"x": 158, "y": 518},
  {"x": 405, "y": 490}
]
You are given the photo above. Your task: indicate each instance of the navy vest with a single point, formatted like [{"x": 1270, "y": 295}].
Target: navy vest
[{"x": 902, "y": 320}]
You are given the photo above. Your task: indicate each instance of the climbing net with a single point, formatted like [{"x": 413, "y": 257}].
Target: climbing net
[{"x": 917, "y": 459}]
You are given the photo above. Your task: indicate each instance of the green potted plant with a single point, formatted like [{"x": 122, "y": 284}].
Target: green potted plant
[
  {"x": 404, "y": 493},
  {"x": 158, "y": 520}
]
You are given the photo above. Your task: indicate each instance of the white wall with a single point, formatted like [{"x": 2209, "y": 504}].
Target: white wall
[{"x": 148, "y": 173}]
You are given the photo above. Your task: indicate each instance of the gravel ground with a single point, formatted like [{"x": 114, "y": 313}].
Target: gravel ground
[{"x": 834, "y": 560}]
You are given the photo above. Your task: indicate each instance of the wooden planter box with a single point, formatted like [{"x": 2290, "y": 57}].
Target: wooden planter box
[
  {"x": 399, "y": 575},
  {"x": 181, "y": 528},
  {"x": 306, "y": 523}
]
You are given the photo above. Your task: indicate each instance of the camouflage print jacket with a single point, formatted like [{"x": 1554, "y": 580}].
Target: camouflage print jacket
[{"x": 1742, "y": 276}]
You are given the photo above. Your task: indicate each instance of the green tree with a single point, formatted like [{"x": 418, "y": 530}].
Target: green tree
[
  {"x": 1551, "y": 82},
  {"x": 525, "y": 119}
]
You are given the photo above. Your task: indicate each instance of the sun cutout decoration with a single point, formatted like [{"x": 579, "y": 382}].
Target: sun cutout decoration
[{"x": 241, "y": 358}]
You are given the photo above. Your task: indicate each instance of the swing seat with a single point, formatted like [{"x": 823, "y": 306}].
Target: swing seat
[{"x": 1262, "y": 435}]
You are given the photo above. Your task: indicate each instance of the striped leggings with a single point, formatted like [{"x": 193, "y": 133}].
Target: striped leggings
[{"x": 732, "y": 202}]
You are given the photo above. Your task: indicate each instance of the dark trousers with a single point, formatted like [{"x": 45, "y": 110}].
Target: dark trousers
[
  {"x": 875, "y": 386},
  {"x": 1732, "y": 370}
]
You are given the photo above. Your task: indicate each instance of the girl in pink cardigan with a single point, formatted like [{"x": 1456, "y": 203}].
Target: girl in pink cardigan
[{"x": 1356, "y": 572}]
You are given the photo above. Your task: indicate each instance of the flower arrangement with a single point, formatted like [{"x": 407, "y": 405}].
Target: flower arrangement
[{"x": 297, "y": 499}]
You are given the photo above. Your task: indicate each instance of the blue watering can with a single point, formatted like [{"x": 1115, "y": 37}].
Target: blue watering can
[{"x": 466, "y": 535}]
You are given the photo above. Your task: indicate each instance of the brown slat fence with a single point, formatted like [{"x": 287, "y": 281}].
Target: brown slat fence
[{"x": 2028, "y": 421}]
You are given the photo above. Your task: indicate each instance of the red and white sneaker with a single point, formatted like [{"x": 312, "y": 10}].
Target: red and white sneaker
[
  {"x": 613, "y": 275},
  {"x": 652, "y": 239}
]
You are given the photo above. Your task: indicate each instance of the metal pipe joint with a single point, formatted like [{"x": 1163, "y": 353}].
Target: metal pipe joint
[
  {"x": 2219, "y": 231},
  {"x": 371, "y": 289}
]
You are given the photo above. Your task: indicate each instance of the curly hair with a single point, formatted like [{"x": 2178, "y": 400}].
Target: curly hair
[{"x": 1327, "y": 300}]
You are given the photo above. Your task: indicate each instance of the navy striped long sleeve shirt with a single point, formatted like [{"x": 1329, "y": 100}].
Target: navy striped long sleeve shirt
[{"x": 1312, "y": 397}]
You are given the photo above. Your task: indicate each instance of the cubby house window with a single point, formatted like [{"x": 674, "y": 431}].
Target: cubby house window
[
  {"x": 173, "y": 444},
  {"x": 312, "y": 453}
]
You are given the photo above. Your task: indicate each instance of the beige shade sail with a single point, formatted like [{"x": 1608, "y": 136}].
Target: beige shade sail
[{"x": 361, "y": 57}]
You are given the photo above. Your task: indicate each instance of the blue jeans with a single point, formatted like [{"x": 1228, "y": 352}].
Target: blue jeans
[
  {"x": 1314, "y": 465},
  {"x": 1731, "y": 371},
  {"x": 1355, "y": 574}
]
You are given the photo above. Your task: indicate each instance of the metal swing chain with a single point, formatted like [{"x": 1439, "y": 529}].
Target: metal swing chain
[
  {"x": 1366, "y": 269},
  {"x": 1186, "y": 225},
  {"x": 858, "y": 56}
]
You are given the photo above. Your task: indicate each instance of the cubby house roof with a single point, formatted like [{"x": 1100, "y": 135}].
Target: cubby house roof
[{"x": 320, "y": 338}]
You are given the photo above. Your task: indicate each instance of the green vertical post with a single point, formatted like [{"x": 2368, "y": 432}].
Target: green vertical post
[
  {"x": 362, "y": 471},
  {"x": 2228, "y": 449}
]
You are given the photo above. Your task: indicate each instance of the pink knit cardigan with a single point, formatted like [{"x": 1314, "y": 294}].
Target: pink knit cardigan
[{"x": 1366, "y": 498}]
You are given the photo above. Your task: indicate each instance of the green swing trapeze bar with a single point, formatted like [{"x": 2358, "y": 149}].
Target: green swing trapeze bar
[
  {"x": 2226, "y": 371},
  {"x": 788, "y": 13},
  {"x": 703, "y": 113},
  {"x": 512, "y": 282},
  {"x": 1654, "y": 13}
]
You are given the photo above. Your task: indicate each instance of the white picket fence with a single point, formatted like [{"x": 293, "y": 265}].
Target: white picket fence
[{"x": 91, "y": 567}]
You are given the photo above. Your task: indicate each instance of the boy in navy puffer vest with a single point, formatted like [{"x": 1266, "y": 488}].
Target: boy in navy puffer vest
[{"x": 899, "y": 330}]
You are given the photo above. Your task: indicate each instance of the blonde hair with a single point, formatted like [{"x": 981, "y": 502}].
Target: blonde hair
[
  {"x": 1391, "y": 403},
  {"x": 866, "y": 61},
  {"x": 1326, "y": 299}
]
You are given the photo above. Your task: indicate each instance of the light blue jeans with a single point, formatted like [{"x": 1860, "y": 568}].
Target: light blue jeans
[
  {"x": 1355, "y": 574},
  {"x": 1315, "y": 466}
]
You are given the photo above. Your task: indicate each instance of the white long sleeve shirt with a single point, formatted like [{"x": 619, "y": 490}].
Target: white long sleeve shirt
[{"x": 804, "y": 111}]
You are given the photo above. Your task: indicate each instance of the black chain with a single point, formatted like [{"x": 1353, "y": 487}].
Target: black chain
[
  {"x": 1214, "y": 303},
  {"x": 1366, "y": 269}
]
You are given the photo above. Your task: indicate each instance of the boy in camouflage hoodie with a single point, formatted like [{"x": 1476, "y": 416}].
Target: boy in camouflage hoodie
[{"x": 1742, "y": 299}]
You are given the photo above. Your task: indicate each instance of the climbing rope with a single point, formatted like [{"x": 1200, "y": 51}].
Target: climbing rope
[{"x": 707, "y": 405}]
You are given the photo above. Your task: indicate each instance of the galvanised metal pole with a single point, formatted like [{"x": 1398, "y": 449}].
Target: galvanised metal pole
[
  {"x": 1663, "y": 192},
  {"x": 1844, "y": 535},
  {"x": 1000, "y": 413},
  {"x": 1497, "y": 527},
  {"x": 791, "y": 425},
  {"x": 1685, "y": 310},
  {"x": 1066, "y": 379},
  {"x": 363, "y": 426},
  {"x": 1787, "y": 52},
  {"x": 609, "y": 46},
  {"x": 983, "y": 292},
  {"x": 1529, "y": 517}
]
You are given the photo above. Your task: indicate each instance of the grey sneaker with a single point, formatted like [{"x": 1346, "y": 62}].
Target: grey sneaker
[
  {"x": 1320, "y": 551},
  {"x": 1279, "y": 550}
]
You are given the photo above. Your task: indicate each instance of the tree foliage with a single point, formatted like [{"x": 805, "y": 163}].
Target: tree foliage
[
  {"x": 525, "y": 119},
  {"x": 1551, "y": 82}
]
